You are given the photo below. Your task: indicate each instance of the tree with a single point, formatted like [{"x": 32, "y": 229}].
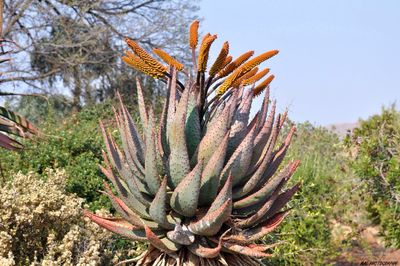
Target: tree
[{"x": 70, "y": 44}]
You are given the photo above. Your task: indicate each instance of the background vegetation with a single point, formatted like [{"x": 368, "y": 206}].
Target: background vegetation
[{"x": 376, "y": 152}]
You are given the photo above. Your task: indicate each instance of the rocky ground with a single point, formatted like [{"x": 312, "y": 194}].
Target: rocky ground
[{"x": 367, "y": 247}]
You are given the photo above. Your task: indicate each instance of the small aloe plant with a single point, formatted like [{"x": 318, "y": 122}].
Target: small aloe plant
[
  {"x": 12, "y": 126},
  {"x": 203, "y": 184}
]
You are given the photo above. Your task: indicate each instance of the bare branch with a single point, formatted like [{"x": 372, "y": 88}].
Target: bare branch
[{"x": 25, "y": 78}]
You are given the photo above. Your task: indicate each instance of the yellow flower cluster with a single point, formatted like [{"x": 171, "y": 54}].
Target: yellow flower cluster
[{"x": 33, "y": 210}]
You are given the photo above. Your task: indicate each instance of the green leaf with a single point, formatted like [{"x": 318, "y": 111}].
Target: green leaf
[
  {"x": 263, "y": 137},
  {"x": 141, "y": 104},
  {"x": 212, "y": 222},
  {"x": 184, "y": 199},
  {"x": 239, "y": 162},
  {"x": 163, "y": 244},
  {"x": 179, "y": 165},
  {"x": 151, "y": 163},
  {"x": 239, "y": 123},
  {"x": 18, "y": 120},
  {"x": 261, "y": 195},
  {"x": 192, "y": 127},
  {"x": 213, "y": 137},
  {"x": 118, "y": 226},
  {"x": 260, "y": 169},
  {"x": 157, "y": 208},
  {"x": 224, "y": 194},
  {"x": 133, "y": 138},
  {"x": 205, "y": 252},
  {"x": 210, "y": 177},
  {"x": 122, "y": 208}
]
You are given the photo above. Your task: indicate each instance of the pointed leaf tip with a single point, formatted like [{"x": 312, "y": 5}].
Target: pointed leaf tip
[{"x": 184, "y": 199}]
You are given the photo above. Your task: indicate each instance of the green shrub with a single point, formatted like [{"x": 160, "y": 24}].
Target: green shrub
[
  {"x": 73, "y": 144},
  {"x": 307, "y": 230},
  {"x": 376, "y": 147}
]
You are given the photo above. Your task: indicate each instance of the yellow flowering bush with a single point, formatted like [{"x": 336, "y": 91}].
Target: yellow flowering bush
[{"x": 40, "y": 224}]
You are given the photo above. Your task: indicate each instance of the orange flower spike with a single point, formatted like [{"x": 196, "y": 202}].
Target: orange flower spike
[
  {"x": 145, "y": 56},
  {"x": 194, "y": 34},
  {"x": 256, "y": 77},
  {"x": 261, "y": 87},
  {"x": 228, "y": 82},
  {"x": 228, "y": 59},
  {"x": 233, "y": 65},
  {"x": 240, "y": 80},
  {"x": 220, "y": 61},
  {"x": 138, "y": 64},
  {"x": 168, "y": 59},
  {"x": 258, "y": 60},
  {"x": 204, "y": 51}
]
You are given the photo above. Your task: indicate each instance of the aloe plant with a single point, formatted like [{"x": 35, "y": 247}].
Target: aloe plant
[
  {"x": 12, "y": 125},
  {"x": 205, "y": 183},
  {"x": 12, "y": 128}
]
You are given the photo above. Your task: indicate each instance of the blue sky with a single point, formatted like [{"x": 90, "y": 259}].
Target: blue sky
[{"x": 339, "y": 60}]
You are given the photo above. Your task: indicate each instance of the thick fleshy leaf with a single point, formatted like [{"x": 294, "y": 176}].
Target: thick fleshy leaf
[
  {"x": 133, "y": 138},
  {"x": 122, "y": 208},
  {"x": 130, "y": 155},
  {"x": 163, "y": 145},
  {"x": 124, "y": 192},
  {"x": 117, "y": 226},
  {"x": 134, "y": 184},
  {"x": 179, "y": 165},
  {"x": 232, "y": 106},
  {"x": 184, "y": 199},
  {"x": 11, "y": 128},
  {"x": 284, "y": 117},
  {"x": 264, "y": 228},
  {"x": 158, "y": 208},
  {"x": 255, "y": 233},
  {"x": 263, "y": 136},
  {"x": 121, "y": 187},
  {"x": 111, "y": 151},
  {"x": 264, "y": 247},
  {"x": 281, "y": 201},
  {"x": 216, "y": 132},
  {"x": 214, "y": 114},
  {"x": 257, "y": 176},
  {"x": 224, "y": 194},
  {"x": 259, "y": 215},
  {"x": 279, "y": 155},
  {"x": 141, "y": 104},
  {"x": 210, "y": 176},
  {"x": 192, "y": 126},
  {"x": 239, "y": 123},
  {"x": 152, "y": 172},
  {"x": 240, "y": 160},
  {"x": 206, "y": 252},
  {"x": 245, "y": 250},
  {"x": 163, "y": 244},
  {"x": 261, "y": 195},
  {"x": 172, "y": 100},
  {"x": 254, "y": 122},
  {"x": 19, "y": 121},
  {"x": 8, "y": 143},
  {"x": 264, "y": 109},
  {"x": 212, "y": 222}
]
